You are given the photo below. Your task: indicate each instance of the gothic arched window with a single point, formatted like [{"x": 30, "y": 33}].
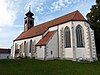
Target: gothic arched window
[
  {"x": 67, "y": 37},
  {"x": 24, "y": 46},
  {"x": 30, "y": 46},
  {"x": 79, "y": 36}
]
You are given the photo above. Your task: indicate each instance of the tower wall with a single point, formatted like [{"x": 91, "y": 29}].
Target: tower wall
[{"x": 28, "y": 21}]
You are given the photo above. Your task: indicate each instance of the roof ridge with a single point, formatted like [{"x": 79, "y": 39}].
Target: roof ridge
[
  {"x": 79, "y": 14},
  {"x": 51, "y": 36},
  {"x": 75, "y": 13}
]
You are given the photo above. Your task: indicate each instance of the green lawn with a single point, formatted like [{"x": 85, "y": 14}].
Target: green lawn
[{"x": 52, "y": 67}]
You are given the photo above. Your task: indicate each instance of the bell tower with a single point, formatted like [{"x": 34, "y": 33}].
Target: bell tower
[{"x": 28, "y": 21}]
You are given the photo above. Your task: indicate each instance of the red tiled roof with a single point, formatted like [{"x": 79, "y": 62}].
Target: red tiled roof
[
  {"x": 46, "y": 38},
  {"x": 41, "y": 28},
  {"x": 2, "y": 50}
]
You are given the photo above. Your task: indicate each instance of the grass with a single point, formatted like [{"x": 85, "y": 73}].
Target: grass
[{"x": 51, "y": 67}]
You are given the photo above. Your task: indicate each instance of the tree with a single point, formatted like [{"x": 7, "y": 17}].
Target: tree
[{"x": 94, "y": 18}]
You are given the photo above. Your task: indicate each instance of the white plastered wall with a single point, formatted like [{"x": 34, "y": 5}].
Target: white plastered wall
[
  {"x": 83, "y": 52},
  {"x": 19, "y": 42},
  {"x": 67, "y": 52},
  {"x": 40, "y": 50},
  {"x": 52, "y": 45},
  {"x": 53, "y": 28}
]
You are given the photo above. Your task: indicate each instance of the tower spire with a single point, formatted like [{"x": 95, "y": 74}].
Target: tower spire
[{"x": 29, "y": 13}]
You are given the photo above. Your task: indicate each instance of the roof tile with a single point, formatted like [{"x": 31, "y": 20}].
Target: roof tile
[{"x": 46, "y": 38}]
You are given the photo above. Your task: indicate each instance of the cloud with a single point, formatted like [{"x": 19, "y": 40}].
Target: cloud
[
  {"x": 60, "y": 4},
  {"x": 37, "y": 5},
  {"x": 7, "y": 12},
  {"x": 8, "y": 34},
  {"x": 5, "y": 16},
  {"x": 40, "y": 8},
  {"x": 0, "y": 29}
]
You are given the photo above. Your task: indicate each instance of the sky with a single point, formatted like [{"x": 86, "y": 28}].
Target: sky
[{"x": 12, "y": 13}]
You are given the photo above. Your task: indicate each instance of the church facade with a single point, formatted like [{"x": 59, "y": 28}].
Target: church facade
[{"x": 67, "y": 37}]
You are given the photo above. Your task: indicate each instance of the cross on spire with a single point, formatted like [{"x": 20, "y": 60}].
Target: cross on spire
[
  {"x": 29, "y": 7},
  {"x": 29, "y": 13}
]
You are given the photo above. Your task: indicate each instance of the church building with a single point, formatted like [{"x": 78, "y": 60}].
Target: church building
[{"x": 67, "y": 37}]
